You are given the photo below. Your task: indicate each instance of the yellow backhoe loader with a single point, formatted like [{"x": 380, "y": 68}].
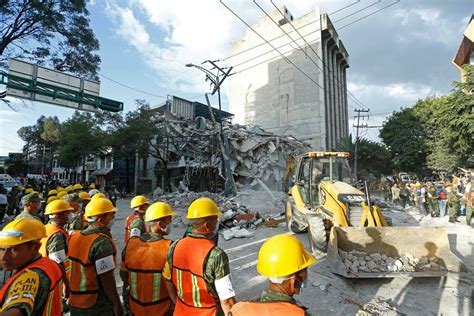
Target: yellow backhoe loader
[{"x": 321, "y": 196}]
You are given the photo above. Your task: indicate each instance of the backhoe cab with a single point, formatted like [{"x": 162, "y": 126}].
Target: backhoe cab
[{"x": 321, "y": 196}]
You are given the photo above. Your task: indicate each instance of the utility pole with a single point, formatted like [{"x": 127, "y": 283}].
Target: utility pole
[
  {"x": 217, "y": 81},
  {"x": 358, "y": 126}
]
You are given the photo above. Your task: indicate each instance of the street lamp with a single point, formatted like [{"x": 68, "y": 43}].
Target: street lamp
[{"x": 216, "y": 83}]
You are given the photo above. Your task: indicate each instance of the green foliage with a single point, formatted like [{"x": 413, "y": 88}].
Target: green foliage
[
  {"x": 82, "y": 136},
  {"x": 405, "y": 138},
  {"x": 436, "y": 133},
  {"x": 51, "y": 133},
  {"x": 54, "y": 33},
  {"x": 15, "y": 165}
]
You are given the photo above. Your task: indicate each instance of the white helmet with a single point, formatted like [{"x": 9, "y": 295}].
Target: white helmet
[{"x": 93, "y": 191}]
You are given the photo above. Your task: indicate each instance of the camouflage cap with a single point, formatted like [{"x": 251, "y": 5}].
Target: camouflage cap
[
  {"x": 71, "y": 198},
  {"x": 32, "y": 197}
]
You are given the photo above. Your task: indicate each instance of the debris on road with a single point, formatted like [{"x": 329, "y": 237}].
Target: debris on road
[{"x": 357, "y": 261}]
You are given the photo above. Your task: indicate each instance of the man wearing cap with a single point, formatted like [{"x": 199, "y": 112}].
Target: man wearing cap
[
  {"x": 143, "y": 260},
  {"x": 285, "y": 262},
  {"x": 85, "y": 197},
  {"x": 31, "y": 204},
  {"x": 195, "y": 265},
  {"x": 76, "y": 221},
  {"x": 92, "y": 253},
  {"x": 134, "y": 224},
  {"x": 34, "y": 288}
]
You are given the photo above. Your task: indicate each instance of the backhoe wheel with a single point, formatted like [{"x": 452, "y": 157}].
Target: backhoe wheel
[
  {"x": 295, "y": 220},
  {"x": 317, "y": 234}
]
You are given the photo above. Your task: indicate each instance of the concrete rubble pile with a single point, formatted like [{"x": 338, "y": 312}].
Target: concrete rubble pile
[
  {"x": 357, "y": 261},
  {"x": 253, "y": 153},
  {"x": 237, "y": 218}
]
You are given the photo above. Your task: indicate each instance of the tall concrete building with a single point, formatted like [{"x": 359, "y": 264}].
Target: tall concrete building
[{"x": 302, "y": 93}]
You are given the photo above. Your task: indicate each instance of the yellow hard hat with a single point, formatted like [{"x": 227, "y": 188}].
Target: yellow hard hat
[
  {"x": 77, "y": 186},
  {"x": 20, "y": 188},
  {"x": 59, "y": 189},
  {"x": 203, "y": 207},
  {"x": 84, "y": 196},
  {"x": 158, "y": 210},
  {"x": 99, "y": 206},
  {"x": 61, "y": 194},
  {"x": 137, "y": 201},
  {"x": 28, "y": 190},
  {"x": 21, "y": 231},
  {"x": 51, "y": 199},
  {"x": 418, "y": 184},
  {"x": 68, "y": 188},
  {"x": 98, "y": 196},
  {"x": 283, "y": 255},
  {"x": 91, "y": 186},
  {"x": 57, "y": 206},
  {"x": 52, "y": 192}
]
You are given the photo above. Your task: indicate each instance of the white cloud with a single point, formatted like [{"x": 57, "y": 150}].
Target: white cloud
[
  {"x": 190, "y": 31},
  {"x": 426, "y": 24}
]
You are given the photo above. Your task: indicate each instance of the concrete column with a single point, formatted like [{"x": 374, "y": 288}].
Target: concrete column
[{"x": 333, "y": 94}]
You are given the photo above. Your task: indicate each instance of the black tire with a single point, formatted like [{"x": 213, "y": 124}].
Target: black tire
[
  {"x": 295, "y": 220},
  {"x": 317, "y": 234}
]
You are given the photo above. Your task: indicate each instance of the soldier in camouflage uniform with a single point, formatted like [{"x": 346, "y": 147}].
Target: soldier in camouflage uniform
[
  {"x": 76, "y": 222},
  {"x": 94, "y": 291},
  {"x": 198, "y": 251},
  {"x": 454, "y": 204},
  {"x": 31, "y": 205}
]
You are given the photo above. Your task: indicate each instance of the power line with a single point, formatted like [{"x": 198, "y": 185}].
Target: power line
[
  {"x": 131, "y": 88},
  {"x": 350, "y": 94},
  {"x": 284, "y": 57}
]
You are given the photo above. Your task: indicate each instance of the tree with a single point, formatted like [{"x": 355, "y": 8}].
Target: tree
[
  {"x": 16, "y": 165},
  {"x": 51, "y": 136},
  {"x": 129, "y": 134},
  {"x": 82, "y": 136},
  {"x": 405, "y": 138},
  {"x": 54, "y": 33}
]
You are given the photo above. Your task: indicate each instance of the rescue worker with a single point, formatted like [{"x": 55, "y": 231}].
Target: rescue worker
[
  {"x": 282, "y": 259},
  {"x": 85, "y": 197},
  {"x": 61, "y": 194},
  {"x": 454, "y": 204},
  {"x": 35, "y": 288},
  {"x": 134, "y": 224},
  {"x": 55, "y": 244},
  {"x": 92, "y": 253},
  {"x": 77, "y": 215},
  {"x": 77, "y": 188},
  {"x": 52, "y": 193},
  {"x": 51, "y": 199},
  {"x": 93, "y": 192},
  {"x": 196, "y": 265},
  {"x": 143, "y": 260},
  {"x": 31, "y": 205}
]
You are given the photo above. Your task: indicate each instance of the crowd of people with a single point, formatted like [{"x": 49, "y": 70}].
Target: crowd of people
[
  {"x": 438, "y": 199},
  {"x": 63, "y": 258}
]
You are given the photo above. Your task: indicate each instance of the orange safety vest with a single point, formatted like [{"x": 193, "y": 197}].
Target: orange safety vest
[
  {"x": 52, "y": 229},
  {"x": 128, "y": 222},
  {"x": 188, "y": 262},
  {"x": 266, "y": 309},
  {"x": 53, "y": 305},
  {"x": 83, "y": 280},
  {"x": 144, "y": 262}
]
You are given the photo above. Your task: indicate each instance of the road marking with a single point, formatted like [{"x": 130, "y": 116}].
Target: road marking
[
  {"x": 229, "y": 250},
  {"x": 250, "y": 283},
  {"x": 242, "y": 257},
  {"x": 246, "y": 266}
]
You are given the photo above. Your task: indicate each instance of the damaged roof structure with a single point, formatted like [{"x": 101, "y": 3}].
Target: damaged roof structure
[{"x": 257, "y": 158}]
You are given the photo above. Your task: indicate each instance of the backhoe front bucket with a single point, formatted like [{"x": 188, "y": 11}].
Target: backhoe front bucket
[{"x": 395, "y": 242}]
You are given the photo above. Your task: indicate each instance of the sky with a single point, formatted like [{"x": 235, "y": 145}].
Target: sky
[{"x": 397, "y": 55}]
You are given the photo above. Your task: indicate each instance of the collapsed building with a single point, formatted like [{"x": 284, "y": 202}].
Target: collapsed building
[{"x": 186, "y": 152}]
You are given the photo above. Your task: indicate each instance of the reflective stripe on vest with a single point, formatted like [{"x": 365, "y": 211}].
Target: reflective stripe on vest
[
  {"x": 128, "y": 222},
  {"x": 51, "y": 229},
  {"x": 53, "y": 304},
  {"x": 83, "y": 279},
  {"x": 266, "y": 309},
  {"x": 188, "y": 260},
  {"x": 144, "y": 262}
]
